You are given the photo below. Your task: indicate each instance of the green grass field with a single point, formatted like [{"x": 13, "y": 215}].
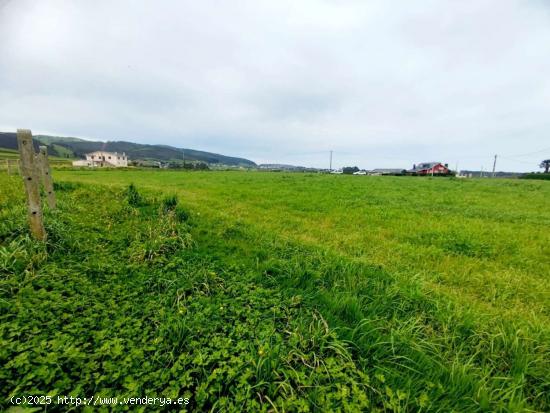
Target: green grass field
[
  {"x": 282, "y": 292},
  {"x": 8, "y": 154},
  {"x": 13, "y": 155}
]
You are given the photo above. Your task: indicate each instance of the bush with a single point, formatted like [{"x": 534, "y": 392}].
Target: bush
[
  {"x": 349, "y": 170},
  {"x": 542, "y": 176}
]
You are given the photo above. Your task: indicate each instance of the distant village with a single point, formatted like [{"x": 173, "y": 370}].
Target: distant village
[
  {"x": 120, "y": 160},
  {"x": 424, "y": 168},
  {"x": 104, "y": 159}
]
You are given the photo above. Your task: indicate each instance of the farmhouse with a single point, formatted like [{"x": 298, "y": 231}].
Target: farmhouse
[
  {"x": 102, "y": 158},
  {"x": 430, "y": 168}
]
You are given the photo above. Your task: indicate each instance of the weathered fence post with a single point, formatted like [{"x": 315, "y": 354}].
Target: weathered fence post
[
  {"x": 46, "y": 174},
  {"x": 8, "y": 166},
  {"x": 29, "y": 174}
]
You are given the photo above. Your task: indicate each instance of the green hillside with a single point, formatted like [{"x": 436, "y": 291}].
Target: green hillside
[
  {"x": 137, "y": 151},
  {"x": 47, "y": 139},
  {"x": 64, "y": 147},
  {"x": 8, "y": 154}
]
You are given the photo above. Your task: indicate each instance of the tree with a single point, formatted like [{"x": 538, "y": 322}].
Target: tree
[
  {"x": 350, "y": 170},
  {"x": 546, "y": 165}
]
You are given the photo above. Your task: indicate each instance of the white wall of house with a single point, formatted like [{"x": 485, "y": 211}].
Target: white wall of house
[
  {"x": 82, "y": 162},
  {"x": 108, "y": 158}
]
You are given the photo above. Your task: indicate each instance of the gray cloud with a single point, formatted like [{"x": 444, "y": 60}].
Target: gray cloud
[{"x": 381, "y": 83}]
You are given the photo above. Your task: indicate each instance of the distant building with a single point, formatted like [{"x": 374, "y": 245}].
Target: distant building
[
  {"x": 386, "y": 171},
  {"x": 280, "y": 167},
  {"x": 430, "y": 168},
  {"x": 103, "y": 159}
]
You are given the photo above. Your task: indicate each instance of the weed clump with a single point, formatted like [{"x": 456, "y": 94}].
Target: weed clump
[
  {"x": 65, "y": 186},
  {"x": 159, "y": 240},
  {"x": 133, "y": 196},
  {"x": 169, "y": 203},
  {"x": 181, "y": 214},
  {"x": 170, "y": 206}
]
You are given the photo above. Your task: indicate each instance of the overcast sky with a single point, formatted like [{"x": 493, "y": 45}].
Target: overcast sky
[{"x": 381, "y": 83}]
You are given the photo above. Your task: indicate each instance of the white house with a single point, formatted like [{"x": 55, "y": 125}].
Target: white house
[{"x": 102, "y": 158}]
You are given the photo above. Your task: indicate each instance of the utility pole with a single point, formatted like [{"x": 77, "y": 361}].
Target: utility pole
[
  {"x": 330, "y": 164},
  {"x": 481, "y": 172},
  {"x": 494, "y": 166}
]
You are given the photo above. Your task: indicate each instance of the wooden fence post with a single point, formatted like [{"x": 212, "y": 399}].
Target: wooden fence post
[
  {"x": 8, "y": 166},
  {"x": 46, "y": 174},
  {"x": 30, "y": 178}
]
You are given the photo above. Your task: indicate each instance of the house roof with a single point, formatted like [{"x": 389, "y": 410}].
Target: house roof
[
  {"x": 424, "y": 165},
  {"x": 427, "y": 165},
  {"x": 106, "y": 152}
]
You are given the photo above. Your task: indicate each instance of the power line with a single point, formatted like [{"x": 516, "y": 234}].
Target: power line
[
  {"x": 516, "y": 160},
  {"x": 532, "y": 153}
]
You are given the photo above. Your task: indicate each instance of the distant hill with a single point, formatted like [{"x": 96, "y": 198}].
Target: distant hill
[
  {"x": 9, "y": 141},
  {"x": 70, "y": 147},
  {"x": 46, "y": 139}
]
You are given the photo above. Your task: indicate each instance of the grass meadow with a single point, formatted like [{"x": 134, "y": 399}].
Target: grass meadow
[
  {"x": 8, "y": 154},
  {"x": 250, "y": 291},
  {"x": 13, "y": 156}
]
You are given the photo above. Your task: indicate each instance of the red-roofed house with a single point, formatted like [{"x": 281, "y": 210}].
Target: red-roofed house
[{"x": 431, "y": 168}]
